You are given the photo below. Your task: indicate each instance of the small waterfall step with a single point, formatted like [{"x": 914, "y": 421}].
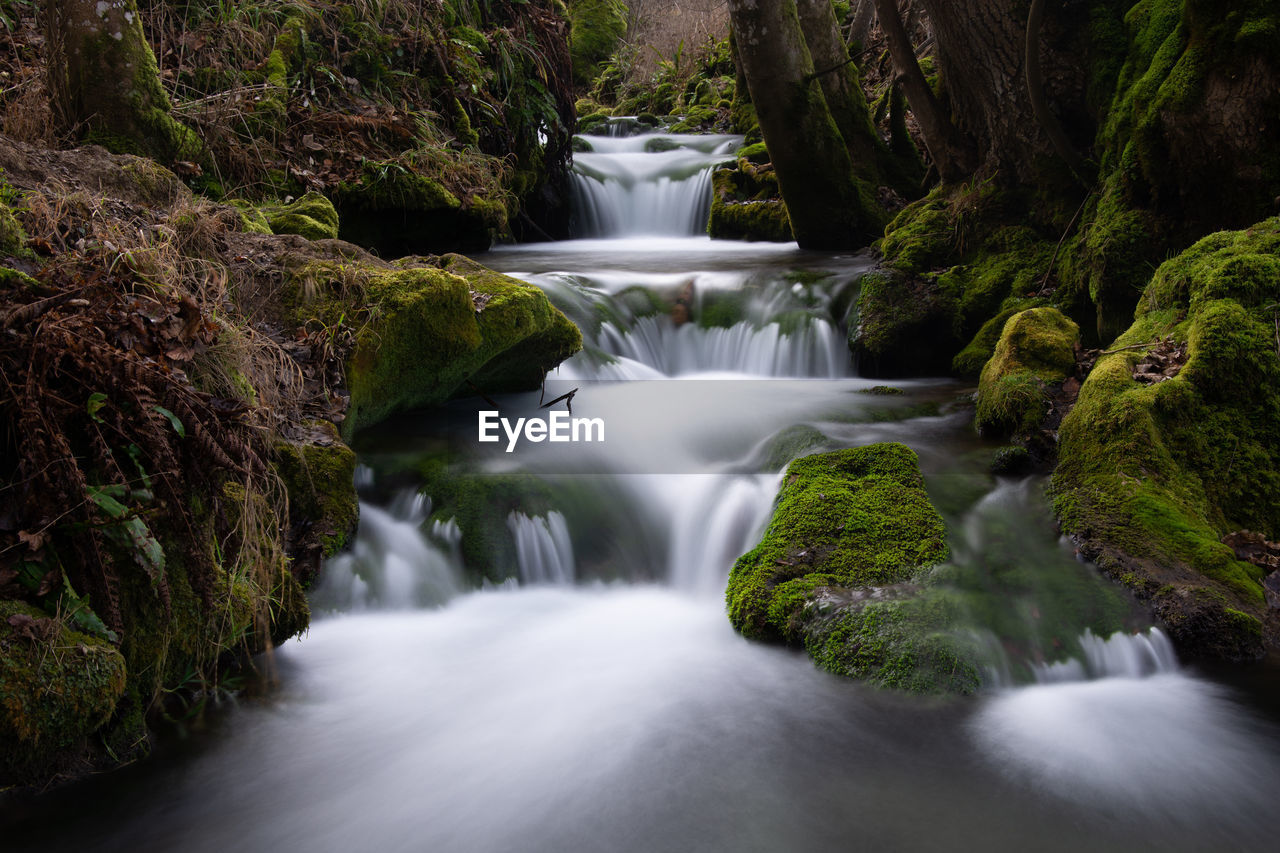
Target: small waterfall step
[{"x": 652, "y": 184}]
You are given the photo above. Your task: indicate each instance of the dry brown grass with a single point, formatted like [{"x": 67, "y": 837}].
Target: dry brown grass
[{"x": 657, "y": 27}]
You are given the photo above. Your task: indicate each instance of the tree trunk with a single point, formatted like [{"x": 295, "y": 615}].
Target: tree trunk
[
  {"x": 829, "y": 207},
  {"x": 864, "y": 15},
  {"x": 838, "y": 77},
  {"x": 105, "y": 83},
  {"x": 981, "y": 50},
  {"x": 951, "y": 153}
]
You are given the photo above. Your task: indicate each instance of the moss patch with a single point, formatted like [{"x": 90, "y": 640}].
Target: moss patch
[
  {"x": 57, "y": 687},
  {"x": 312, "y": 216},
  {"x": 1036, "y": 349}
]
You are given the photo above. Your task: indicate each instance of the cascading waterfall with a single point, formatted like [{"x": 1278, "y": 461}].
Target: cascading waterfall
[
  {"x": 634, "y": 326},
  {"x": 1121, "y": 655},
  {"x": 392, "y": 565},
  {"x": 651, "y": 184}
]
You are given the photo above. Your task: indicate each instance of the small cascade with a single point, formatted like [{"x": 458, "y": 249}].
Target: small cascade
[
  {"x": 1121, "y": 655},
  {"x": 543, "y": 550},
  {"x": 653, "y": 326},
  {"x": 647, "y": 185},
  {"x": 713, "y": 523},
  {"x": 815, "y": 349},
  {"x": 392, "y": 565}
]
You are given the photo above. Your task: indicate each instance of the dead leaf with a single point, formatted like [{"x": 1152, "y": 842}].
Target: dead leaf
[{"x": 34, "y": 541}]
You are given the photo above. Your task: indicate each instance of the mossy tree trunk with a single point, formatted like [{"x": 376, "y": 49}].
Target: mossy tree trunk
[
  {"x": 105, "y": 83},
  {"x": 830, "y": 207},
  {"x": 838, "y": 77}
]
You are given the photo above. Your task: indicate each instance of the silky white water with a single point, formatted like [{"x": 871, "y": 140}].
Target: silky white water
[{"x": 598, "y": 699}]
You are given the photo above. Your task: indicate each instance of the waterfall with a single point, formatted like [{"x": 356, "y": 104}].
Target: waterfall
[
  {"x": 1121, "y": 655},
  {"x": 544, "y": 553},
  {"x": 392, "y": 565},
  {"x": 647, "y": 185}
]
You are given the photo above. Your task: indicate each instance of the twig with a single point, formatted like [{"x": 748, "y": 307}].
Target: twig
[
  {"x": 568, "y": 401},
  {"x": 1062, "y": 241}
]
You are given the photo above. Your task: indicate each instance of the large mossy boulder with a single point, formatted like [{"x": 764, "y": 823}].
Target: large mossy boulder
[
  {"x": 1175, "y": 442},
  {"x": 1036, "y": 351},
  {"x": 429, "y": 329},
  {"x": 839, "y": 569}
]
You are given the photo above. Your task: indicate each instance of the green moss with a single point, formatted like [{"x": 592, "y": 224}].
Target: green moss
[
  {"x": 12, "y": 238},
  {"x": 1153, "y": 475},
  {"x": 1036, "y": 349},
  {"x": 14, "y": 278},
  {"x": 756, "y": 153},
  {"x": 398, "y": 210},
  {"x": 320, "y": 479},
  {"x": 312, "y": 216},
  {"x": 596, "y": 26},
  {"x": 252, "y": 220},
  {"x": 854, "y": 517},
  {"x": 57, "y": 688},
  {"x": 905, "y": 644},
  {"x": 747, "y": 205},
  {"x": 905, "y": 326}
]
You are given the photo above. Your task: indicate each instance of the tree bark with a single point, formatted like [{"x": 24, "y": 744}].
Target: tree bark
[
  {"x": 864, "y": 15},
  {"x": 1040, "y": 103},
  {"x": 951, "y": 153},
  {"x": 841, "y": 88},
  {"x": 105, "y": 83},
  {"x": 829, "y": 207},
  {"x": 981, "y": 57}
]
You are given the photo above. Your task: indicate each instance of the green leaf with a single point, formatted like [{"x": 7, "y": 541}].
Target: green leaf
[
  {"x": 146, "y": 550},
  {"x": 95, "y": 402},
  {"x": 173, "y": 419},
  {"x": 82, "y": 615},
  {"x": 108, "y": 499}
]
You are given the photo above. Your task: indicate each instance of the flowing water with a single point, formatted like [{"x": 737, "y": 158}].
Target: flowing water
[{"x": 590, "y": 694}]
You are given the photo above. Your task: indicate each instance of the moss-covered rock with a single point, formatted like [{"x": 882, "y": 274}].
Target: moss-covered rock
[
  {"x": 397, "y": 211},
  {"x": 850, "y": 532},
  {"x": 904, "y": 326},
  {"x": 595, "y": 28},
  {"x": 432, "y": 329},
  {"x": 318, "y": 471},
  {"x": 57, "y": 687},
  {"x": 747, "y": 205},
  {"x": 1036, "y": 350},
  {"x": 312, "y": 216},
  {"x": 1154, "y": 472}
]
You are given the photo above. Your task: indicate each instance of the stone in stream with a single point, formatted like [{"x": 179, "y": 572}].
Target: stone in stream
[{"x": 840, "y": 570}]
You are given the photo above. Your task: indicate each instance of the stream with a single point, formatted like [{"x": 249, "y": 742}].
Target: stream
[{"x": 597, "y": 698}]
